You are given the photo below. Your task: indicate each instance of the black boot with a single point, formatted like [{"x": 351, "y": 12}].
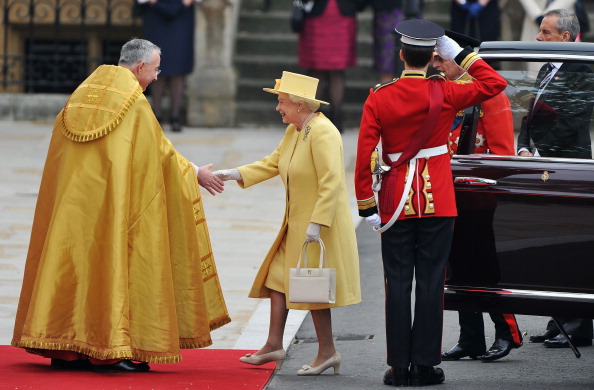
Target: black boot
[
  {"x": 176, "y": 125},
  {"x": 396, "y": 376},
  {"x": 425, "y": 375}
]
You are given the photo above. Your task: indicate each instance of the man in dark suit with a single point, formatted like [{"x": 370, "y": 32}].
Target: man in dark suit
[
  {"x": 558, "y": 125},
  {"x": 558, "y": 120}
]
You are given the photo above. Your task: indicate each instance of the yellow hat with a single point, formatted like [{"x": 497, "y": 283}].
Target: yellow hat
[{"x": 297, "y": 85}]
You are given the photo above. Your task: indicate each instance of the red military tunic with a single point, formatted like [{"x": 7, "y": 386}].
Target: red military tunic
[
  {"x": 495, "y": 131},
  {"x": 395, "y": 112}
]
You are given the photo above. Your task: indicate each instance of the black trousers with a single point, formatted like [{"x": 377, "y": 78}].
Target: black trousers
[
  {"x": 472, "y": 330},
  {"x": 417, "y": 247},
  {"x": 575, "y": 327}
]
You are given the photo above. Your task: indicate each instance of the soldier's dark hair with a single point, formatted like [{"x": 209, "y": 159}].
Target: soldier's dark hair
[{"x": 417, "y": 56}]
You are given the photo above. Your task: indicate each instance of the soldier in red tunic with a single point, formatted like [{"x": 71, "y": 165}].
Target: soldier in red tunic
[
  {"x": 412, "y": 116},
  {"x": 495, "y": 134}
]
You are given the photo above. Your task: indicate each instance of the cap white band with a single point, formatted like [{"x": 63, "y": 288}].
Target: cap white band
[{"x": 418, "y": 42}]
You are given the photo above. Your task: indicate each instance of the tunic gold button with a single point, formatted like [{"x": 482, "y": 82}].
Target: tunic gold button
[
  {"x": 431, "y": 205},
  {"x": 407, "y": 208}
]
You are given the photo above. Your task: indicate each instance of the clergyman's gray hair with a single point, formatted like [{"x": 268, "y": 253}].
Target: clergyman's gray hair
[
  {"x": 567, "y": 21},
  {"x": 137, "y": 50}
]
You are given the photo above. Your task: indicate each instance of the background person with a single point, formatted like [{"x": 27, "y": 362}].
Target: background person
[
  {"x": 170, "y": 25},
  {"x": 112, "y": 273},
  {"x": 386, "y": 15},
  {"x": 327, "y": 47},
  {"x": 480, "y": 19},
  {"x": 416, "y": 200},
  {"x": 495, "y": 135},
  {"x": 310, "y": 161}
]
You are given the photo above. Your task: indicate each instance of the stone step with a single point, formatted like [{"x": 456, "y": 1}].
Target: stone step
[
  {"x": 356, "y": 91},
  {"x": 260, "y": 67},
  {"x": 259, "y": 114},
  {"x": 264, "y": 44},
  {"x": 265, "y": 47},
  {"x": 279, "y": 22}
]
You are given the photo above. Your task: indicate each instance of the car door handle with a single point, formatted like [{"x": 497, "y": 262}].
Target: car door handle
[{"x": 474, "y": 181}]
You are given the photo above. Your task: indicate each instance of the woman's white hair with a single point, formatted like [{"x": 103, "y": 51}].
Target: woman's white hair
[{"x": 310, "y": 104}]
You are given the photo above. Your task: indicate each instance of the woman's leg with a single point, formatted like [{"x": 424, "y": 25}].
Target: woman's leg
[
  {"x": 322, "y": 320},
  {"x": 278, "y": 319},
  {"x": 157, "y": 90},
  {"x": 336, "y": 87},
  {"x": 177, "y": 95}
]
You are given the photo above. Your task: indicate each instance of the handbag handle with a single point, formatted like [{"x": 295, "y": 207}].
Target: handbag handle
[{"x": 303, "y": 254}]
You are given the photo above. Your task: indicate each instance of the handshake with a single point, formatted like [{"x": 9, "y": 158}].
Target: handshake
[{"x": 228, "y": 174}]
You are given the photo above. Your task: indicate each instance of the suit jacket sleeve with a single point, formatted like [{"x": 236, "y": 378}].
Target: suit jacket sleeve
[{"x": 573, "y": 110}]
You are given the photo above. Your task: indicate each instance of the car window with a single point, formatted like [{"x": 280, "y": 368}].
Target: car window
[{"x": 547, "y": 113}]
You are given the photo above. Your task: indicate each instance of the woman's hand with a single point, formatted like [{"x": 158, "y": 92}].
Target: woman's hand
[
  {"x": 228, "y": 174},
  {"x": 313, "y": 232}
]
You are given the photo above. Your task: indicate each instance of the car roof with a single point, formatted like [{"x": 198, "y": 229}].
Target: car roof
[{"x": 548, "y": 51}]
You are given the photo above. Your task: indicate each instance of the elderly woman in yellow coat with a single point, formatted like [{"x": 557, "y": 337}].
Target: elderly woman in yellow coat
[{"x": 310, "y": 161}]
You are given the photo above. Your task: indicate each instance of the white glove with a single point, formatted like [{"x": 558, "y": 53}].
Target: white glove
[
  {"x": 373, "y": 220},
  {"x": 447, "y": 48},
  {"x": 313, "y": 232},
  {"x": 228, "y": 174}
]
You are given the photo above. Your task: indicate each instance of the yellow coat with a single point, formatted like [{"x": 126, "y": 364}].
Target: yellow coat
[
  {"x": 311, "y": 166},
  {"x": 119, "y": 263}
]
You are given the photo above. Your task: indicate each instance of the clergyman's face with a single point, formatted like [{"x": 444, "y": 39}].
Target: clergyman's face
[{"x": 146, "y": 72}]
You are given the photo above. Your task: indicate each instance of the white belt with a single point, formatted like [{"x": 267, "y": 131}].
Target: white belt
[{"x": 429, "y": 152}]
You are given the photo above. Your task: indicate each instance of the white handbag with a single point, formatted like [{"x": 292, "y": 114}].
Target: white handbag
[{"x": 312, "y": 285}]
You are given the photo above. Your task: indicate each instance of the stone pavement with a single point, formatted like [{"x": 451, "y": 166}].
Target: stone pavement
[{"x": 242, "y": 223}]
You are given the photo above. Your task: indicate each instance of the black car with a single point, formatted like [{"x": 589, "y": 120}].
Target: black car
[{"x": 524, "y": 238}]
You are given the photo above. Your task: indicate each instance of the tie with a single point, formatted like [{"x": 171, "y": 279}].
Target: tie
[{"x": 548, "y": 74}]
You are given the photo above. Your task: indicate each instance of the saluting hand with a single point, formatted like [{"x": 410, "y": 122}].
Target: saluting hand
[{"x": 447, "y": 48}]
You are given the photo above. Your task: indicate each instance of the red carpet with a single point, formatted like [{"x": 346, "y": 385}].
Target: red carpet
[{"x": 218, "y": 369}]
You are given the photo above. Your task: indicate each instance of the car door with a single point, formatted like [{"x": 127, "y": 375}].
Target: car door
[{"x": 524, "y": 236}]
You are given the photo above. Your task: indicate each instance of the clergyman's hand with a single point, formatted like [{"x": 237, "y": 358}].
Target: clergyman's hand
[{"x": 209, "y": 180}]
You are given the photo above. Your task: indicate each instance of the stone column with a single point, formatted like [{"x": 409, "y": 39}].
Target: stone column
[{"x": 212, "y": 85}]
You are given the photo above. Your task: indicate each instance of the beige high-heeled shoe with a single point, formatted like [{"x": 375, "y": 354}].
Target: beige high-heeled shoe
[
  {"x": 277, "y": 356},
  {"x": 334, "y": 361}
]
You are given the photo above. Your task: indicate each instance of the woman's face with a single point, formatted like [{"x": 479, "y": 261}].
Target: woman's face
[{"x": 287, "y": 109}]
